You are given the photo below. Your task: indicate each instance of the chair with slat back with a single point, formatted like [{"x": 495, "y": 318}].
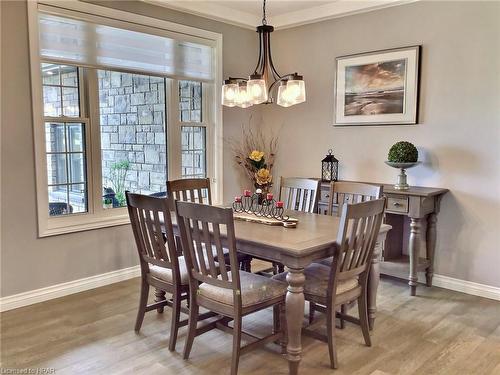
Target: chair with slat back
[
  {"x": 342, "y": 192},
  {"x": 299, "y": 194},
  {"x": 161, "y": 267},
  {"x": 219, "y": 285},
  {"x": 346, "y": 278},
  {"x": 197, "y": 190}
]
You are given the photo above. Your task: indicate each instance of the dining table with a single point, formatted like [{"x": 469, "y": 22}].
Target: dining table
[{"x": 314, "y": 238}]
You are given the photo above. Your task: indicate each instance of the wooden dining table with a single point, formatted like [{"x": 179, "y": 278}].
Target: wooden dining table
[{"x": 314, "y": 238}]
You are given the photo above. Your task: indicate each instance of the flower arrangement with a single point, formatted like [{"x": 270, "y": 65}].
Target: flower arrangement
[{"x": 256, "y": 155}]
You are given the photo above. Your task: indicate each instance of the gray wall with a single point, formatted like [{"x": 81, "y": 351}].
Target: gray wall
[
  {"x": 28, "y": 262},
  {"x": 459, "y": 133}
]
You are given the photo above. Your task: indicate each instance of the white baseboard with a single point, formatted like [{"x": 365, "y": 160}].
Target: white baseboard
[
  {"x": 467, "y": 287},
  {"x": 60, "y": 290},
  {"x": 64, "y": 289}
]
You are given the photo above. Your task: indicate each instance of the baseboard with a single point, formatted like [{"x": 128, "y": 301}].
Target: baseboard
[
  {"x": 467, "y": 287},
  {"x": 64, "y": 289}
]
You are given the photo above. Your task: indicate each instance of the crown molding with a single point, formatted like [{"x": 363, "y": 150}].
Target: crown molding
[{"x": 339, "y": 8}]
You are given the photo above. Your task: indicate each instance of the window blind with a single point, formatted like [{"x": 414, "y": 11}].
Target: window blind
[{"x": 91, "y": 44}]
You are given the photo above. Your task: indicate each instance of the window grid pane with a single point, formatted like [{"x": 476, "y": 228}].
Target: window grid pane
[
  {"x": 133, "y": 135},
  {"x": 193, "y": 149},
  {"x": 61, "y": 95},
  {"x": 66, "y": 168},
  {"x": 190, "y": 101}
]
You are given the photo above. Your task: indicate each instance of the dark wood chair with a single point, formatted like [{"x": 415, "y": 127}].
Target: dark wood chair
[
  {"x": 222, "y": 287},
  {"x": 299, "y": 194},
  {"x": 161, "y": 267},
  {"x": 342, "y": 192},
  {"x": 346, "y": 279},
  {"x": 197, "y": 190}
]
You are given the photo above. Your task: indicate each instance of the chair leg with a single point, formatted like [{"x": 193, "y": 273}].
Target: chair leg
[
  {"x": 159, "y": 296},
  {"x": 143, "y": 302},
  {"x": 312, "y": 310},
  {"x": 236, "y": 345},
  {"x": 330, "y": 331},
  {"x": 283, "y": 327},
  {"x": 343, "y": 310},
  {"x": 276, "y": 319},
  {"x": 363, "y": 318},
  {"x": 174, "y": 324},
  {"x": 193, "y": 323}
]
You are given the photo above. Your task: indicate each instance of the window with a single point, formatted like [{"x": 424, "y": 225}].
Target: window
[
  {"x": 132, "y": 119},
  {"x": 64, "y": 140},
  {"x": 125, "y": 103}
]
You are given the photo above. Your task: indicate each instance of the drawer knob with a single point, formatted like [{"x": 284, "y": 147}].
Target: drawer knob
[{"x": 396, "y": 204}]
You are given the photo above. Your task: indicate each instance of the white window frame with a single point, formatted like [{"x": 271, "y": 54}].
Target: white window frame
[{"x": 97, "y": 217}]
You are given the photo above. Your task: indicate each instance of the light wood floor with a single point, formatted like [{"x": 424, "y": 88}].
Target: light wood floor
[{"x": 438, "y": 332}]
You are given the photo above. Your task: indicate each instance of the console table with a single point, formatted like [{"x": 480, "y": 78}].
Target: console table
[{"x": 408, "y": 211}]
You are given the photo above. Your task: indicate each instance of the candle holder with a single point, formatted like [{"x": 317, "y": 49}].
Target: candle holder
[{"x": 260, "y": 205}]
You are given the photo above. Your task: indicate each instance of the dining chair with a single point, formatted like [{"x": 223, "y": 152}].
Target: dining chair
[
  {"x": 197, "y": 190},
  {"x": 222, "y": 287},
  {"x": 346, "y": 279},
  {"x": 341, "y": 193},
  {"x": 191, "y": 190},
  {"x": 161, "y": 266},
  {"x": 299, "y": 194}
]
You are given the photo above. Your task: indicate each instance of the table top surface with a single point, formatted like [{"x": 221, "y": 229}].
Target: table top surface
[{"x": 313, "y": 233}]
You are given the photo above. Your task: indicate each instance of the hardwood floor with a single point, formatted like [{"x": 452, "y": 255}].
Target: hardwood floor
[{"x": 438, "y": 332}]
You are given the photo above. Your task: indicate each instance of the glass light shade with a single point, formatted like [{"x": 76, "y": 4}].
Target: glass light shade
[
  {"x": 230, "y": 94},
  {"x": 296, "y": 91},
  {"x": 257, "y": 90},
  {"x": 243, "y": 100},
  {"x": 283, "y": 96}
]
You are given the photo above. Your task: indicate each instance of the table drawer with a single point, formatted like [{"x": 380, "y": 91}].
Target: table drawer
[{"x": 397, "y": 203}]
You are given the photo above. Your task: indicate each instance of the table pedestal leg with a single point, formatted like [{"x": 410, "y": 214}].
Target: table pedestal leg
[
  {"x": 414, "y": 253},
  {"x": 294, "y": 316},
  {"x": 159, "y": 296}
]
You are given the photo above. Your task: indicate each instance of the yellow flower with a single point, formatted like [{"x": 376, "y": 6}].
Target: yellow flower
[
  {"x": 263, "y": 176},
  {"x": 256, "y": 155}
]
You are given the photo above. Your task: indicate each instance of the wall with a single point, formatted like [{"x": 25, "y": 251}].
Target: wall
[
  {"x": 29, "y": 262},
  {"x": 459, "y": 132}
]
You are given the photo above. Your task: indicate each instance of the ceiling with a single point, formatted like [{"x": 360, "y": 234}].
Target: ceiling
[{"x": 280, "y": 13}]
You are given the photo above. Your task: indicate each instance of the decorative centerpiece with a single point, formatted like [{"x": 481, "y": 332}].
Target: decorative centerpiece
[
  {"x": 402, "y": 155},
  {"x": 256, "y": 155},
  {"x": 261, "y": 207},
  {"x": 329, "y": 167}
]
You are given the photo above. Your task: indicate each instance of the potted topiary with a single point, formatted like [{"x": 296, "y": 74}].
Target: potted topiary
[{"x": 402, "y": 155}]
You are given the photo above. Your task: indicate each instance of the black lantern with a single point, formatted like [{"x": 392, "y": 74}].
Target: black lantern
[{"x": 329, "y": 167}]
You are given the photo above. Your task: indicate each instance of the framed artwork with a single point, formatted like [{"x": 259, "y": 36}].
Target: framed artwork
[{"x": 377, "y": 88}]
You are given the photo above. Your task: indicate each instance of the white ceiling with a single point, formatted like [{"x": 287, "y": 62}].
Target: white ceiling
[{"x": 280, "y": 13}]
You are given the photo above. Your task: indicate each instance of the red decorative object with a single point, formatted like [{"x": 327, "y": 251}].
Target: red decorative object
[
  {"x": 269, "y": 196},
  {"x": 279, "y": 204},
  {"x": 247, "y": 193},
  {"x": 237, "y": 199}
]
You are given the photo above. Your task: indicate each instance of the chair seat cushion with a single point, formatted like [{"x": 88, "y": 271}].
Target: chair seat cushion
[
  {"x": 165, "y": 274},
  {"x": 255, "y": 289},
  {"x": 317, "y": 278}
]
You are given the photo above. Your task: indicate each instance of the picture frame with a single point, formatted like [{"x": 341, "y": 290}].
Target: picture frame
[{"x": 378, "y": 87}]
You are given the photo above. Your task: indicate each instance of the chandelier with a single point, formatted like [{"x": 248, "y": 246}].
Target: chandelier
[{"x": 258, "y": 89}]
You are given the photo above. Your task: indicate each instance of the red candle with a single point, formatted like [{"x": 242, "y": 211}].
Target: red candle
[
  {"x": 237, "y": 199},
  {"x": 269, "y": 196},
  {"x": 279, "y": 204},
  {"x": 247, "y": 193}
]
